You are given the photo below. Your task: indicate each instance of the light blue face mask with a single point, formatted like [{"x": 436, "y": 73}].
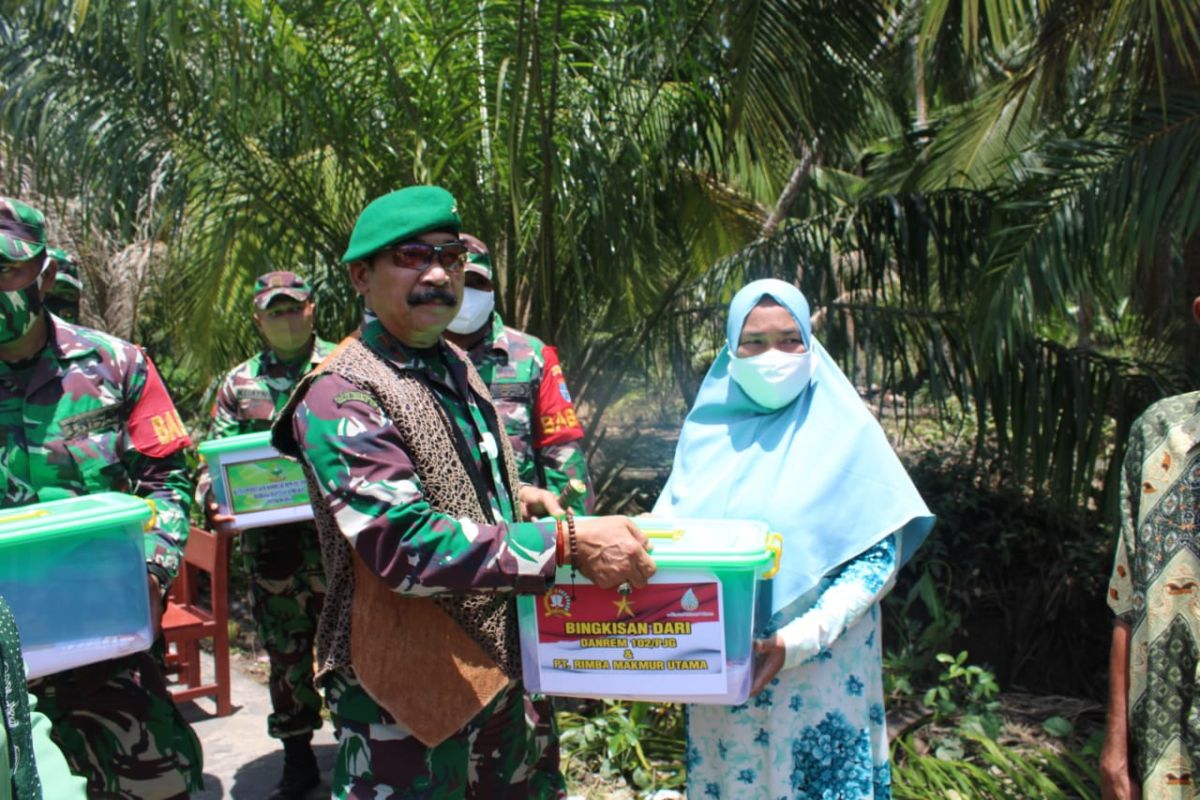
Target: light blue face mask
[{"x": 774, "y": 378}]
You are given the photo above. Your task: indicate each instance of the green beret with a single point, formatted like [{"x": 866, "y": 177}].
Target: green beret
[{"x": 400, "y": 216}]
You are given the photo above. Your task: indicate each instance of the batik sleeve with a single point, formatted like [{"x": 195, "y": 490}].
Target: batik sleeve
[
  {"x": 366, "y": 473},
  {"x": 1121, "y": 589},
  {"x": 858, "y": 585}
]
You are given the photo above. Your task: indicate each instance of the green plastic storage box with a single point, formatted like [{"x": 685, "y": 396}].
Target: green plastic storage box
[
  {"x": 254, "y": 482},
  {"x": 687, "y": 637},
  {"x": 74, "y": 573}
]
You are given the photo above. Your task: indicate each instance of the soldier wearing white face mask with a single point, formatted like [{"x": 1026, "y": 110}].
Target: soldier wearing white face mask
[{"x": 527, "y": 384}]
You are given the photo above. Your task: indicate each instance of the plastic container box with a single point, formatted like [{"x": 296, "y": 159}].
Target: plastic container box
[
  {"x": 74, "y": 573},
  {"x": 686, "y": 637},
  {"x": 256, "y": 483}
]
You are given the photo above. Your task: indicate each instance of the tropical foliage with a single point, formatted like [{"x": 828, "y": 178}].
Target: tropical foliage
[{"x": 993, "y": 204}]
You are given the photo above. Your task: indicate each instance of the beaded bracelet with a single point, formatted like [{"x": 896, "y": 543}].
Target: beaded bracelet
[
  {"x": 560, "y": 544},
  {"x": 574, "y": 546}
]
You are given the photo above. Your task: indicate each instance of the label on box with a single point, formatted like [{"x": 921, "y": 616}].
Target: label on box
[
  {"x": 666, "y": 638},
  {"x": 265, "y": 484}
]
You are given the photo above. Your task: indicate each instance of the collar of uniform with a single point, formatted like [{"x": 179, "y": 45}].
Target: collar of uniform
[
  {"x": 375, "y": 336},
  {"x": 498, "y": 338},
  {"x": 270, "y": 360},
  {"x": 67, "y": 340}
]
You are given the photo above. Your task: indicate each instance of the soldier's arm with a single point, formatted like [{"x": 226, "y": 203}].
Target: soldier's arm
[
  {"x": 154, "y": 454},
  {"x": 557, "y": 434},
  {"x": 364, "y": 470},
  {"x": 224, "y": 411}
]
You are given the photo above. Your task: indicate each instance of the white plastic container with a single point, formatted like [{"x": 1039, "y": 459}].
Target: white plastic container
[
  {"x": 74, "y": 573},
  {"x": 254, "y": 482},
  {"x": 686, "y": 637}
]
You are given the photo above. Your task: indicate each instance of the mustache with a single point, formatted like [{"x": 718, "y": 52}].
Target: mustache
[{"x": 420, "y": 297}]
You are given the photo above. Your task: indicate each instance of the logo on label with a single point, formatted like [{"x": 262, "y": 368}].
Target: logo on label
[
  {"x": 689, "y": 602},
  {"x": 557, "y": 603}
]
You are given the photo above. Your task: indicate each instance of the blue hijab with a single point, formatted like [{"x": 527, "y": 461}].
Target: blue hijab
[{"x": 819, "y": 471}]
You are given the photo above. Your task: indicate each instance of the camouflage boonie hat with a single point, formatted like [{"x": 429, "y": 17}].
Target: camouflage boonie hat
[
  {"x": 276, "y": 284},
  {"x": 68, "y": 269},
  {"x": 22, "y": 230},
  {"x": 478, "y": 260}
]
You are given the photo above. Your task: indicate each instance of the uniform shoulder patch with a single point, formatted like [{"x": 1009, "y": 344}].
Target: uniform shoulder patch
[
  {"x": 97, "y": 419},
  {"x": 356, "y": 396}
]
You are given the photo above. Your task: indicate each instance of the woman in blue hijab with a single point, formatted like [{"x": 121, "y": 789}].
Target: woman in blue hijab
[{"x": 778, "y": 434}]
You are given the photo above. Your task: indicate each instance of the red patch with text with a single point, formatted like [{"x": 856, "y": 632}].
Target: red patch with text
[
  {"x": 555, "y": 421},
  {"x": 154, "y": 425}
]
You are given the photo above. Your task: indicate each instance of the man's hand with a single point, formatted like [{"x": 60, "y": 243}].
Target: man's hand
[
  {"x": 611, "y": 551},
  {"x": 221, "y": 524},
  {"x": 769, "y": 656},
  {"x": 537, "y": 502},
  {"x": 1116, "y": 782},
  {"x": 156, "y": 604}
]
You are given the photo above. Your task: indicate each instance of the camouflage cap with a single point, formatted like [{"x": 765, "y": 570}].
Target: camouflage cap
[
  {"x": 280, "y": 284},
  {"x": 478, "y": 260},
  {"x": 399, "y": 216},
  {"x": 22, "y": 230},
  {"x": 68, "y": 269}
]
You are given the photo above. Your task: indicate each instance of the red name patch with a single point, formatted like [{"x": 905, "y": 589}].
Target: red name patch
[
  {"x": 154, "y": 425},
  {"x": 556, "y": 422}
]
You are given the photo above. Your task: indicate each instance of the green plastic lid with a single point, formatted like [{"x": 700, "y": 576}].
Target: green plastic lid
[
  {"x": 235, "y": 444},
  {"x": 57, "y": 518},
  {"x": 719, "y": 543}
]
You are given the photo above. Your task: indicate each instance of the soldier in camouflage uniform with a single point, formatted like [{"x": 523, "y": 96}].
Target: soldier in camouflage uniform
[
  {"x": 527, "y": 385},
  {"x": 283, "y": 562},
  {"x": 65, "y": 294},
  {"x": 406, "y": 261},
  {"x": 83, "y": 412}
]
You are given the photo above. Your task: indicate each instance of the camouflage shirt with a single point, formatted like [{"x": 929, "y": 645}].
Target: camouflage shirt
[
  {"x": 254, "y": 391},
  {"x": 90, "y": 413},
  {"x": 531, "y": 397},
  {"x": 360, "y": 461}
]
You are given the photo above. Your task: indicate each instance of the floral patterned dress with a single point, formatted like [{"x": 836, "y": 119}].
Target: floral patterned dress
[{"x": 818, "y": 731}]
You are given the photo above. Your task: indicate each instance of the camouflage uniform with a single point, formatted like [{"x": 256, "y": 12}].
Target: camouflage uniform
[
  {"x": 64, "y": 296},
  {"x": 89, "y": 414},
  {"x": 531, "y": 397},
  {"x": 356, "y": 451},
  {"x": 283, "y": 562}
]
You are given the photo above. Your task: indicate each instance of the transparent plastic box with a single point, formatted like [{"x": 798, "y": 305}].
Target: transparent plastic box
[
  {"x": 687, "y": 637},
  {"x": 74, "y": 573},
  {"x": 256, "y": 483}
]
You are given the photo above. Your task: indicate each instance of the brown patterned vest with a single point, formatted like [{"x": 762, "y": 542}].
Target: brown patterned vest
[{"x": 433, "y": 663}]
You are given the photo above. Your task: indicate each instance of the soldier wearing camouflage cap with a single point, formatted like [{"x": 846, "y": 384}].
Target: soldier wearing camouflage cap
[
  {"x": 84, "y": 412},
  {"x": 527, "y": 385},
  {"x": 283, "y": 562},
  {"x": 427, "y": 533},
  {"x": 65, "y": 294}
]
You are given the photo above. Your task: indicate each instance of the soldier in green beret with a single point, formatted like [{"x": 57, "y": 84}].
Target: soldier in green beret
[
  {"x": 65, "y": 294},
  {"x": 84, "y": 412},
  {"x": 427, "y": 533}
]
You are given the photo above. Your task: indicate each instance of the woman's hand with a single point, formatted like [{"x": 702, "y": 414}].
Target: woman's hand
[{"x": 769, "y": 654}]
